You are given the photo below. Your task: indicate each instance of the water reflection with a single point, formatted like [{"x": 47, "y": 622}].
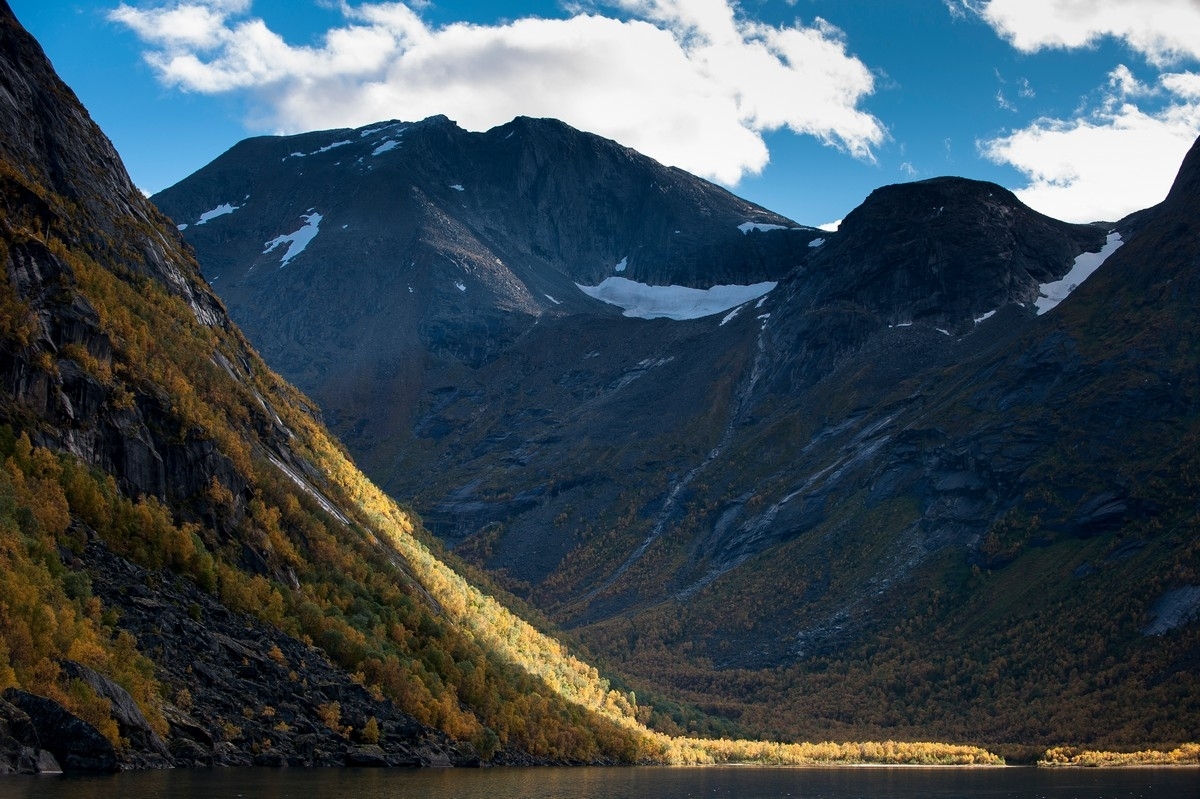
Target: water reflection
[{"x": 618, "y": 783}]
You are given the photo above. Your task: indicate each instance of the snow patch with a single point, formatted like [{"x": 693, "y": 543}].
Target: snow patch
[
  {"x": 672, "y": 302},
  {"x": 458, "y": 284},
  {"x": 298, "y": 240},
  {"x": 943, "y": 332},
  {"x": 458, "y": 187},
  {"x": 220, "y": 210},
  {"x": 746, "y": 227},
  {"x": 816, "y": 242},
  {"x": 620, "y": 267},
  {"x": 329, "y": 147},
  {"x": 390, "y": 144},
  {"x": 182, "y": 227},
  {"x": 556, "y": 302},
  {"x": 729, "y": 316},
  {"x": 985, "y": 317},
  {"x": 1051, "y": 294}
]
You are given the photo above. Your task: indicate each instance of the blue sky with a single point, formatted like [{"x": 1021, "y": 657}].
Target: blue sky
[{"x": 1084, "y": 107}]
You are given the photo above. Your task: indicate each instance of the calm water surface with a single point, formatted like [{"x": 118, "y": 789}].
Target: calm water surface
[{"x": 618, "y": 783}]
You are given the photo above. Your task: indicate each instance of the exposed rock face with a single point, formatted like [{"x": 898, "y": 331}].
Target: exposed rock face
[
  {"x": 59, "y": 147},
  {"x": 151, "y": 749},
  {"x": 944, "y": 254},
  {"x": 21, "y": 750},
  {"x": 946, "y": 251},
  {"x": 536, "y": 428}
]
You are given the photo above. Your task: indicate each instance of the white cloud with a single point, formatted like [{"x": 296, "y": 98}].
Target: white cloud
[
  {"x": 1164, "y": 31},
  {"x": 183, "y": 26},
  {"x": 1116, "y": 160},
  {"x": 693, "y": 84},
  {"x": 1183, "y": 84},
  {"x": 1122, "y": 80},
  {"x": 1119, "y": 154}
]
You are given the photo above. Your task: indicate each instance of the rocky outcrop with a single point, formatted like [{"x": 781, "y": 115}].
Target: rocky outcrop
[
  {"x": 945, "y": 252},
  {"x": 21, "y": 751},
  {"x": 242, "y": 693},
  {"x": 55, "y": 146},
  {"x": 75, "y": 744}
]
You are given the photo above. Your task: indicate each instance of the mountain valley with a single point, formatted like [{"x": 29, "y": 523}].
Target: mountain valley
[
  {"x": 894, "y": 467},
  {"x": 657, "y": 467}
]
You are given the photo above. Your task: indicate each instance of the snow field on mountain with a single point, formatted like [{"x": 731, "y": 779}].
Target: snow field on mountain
[
  {"x": 297, "y": 240},
  {"x": 1051, "y": 294},
  {"x": 672, "y": 302}
]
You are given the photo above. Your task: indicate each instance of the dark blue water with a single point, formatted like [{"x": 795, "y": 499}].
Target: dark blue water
[{"x": 620, "y": 783}]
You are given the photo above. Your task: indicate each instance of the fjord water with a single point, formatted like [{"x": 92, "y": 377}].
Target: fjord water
[{"x": 620, "y": 783}]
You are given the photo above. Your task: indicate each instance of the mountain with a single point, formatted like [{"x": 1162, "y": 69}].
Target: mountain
[
  {"x": 467, "y": 246},
  {"x": 192, "y": 571},
  {"x": 897, "y": 488}
]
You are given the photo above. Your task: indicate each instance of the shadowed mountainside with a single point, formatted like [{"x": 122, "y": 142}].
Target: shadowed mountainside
[{"x": 900, "y": 494}]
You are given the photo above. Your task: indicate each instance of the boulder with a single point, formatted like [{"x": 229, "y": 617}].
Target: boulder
[
  {"x": 129, "y": 717},
  {"x": 75, "y": 744}
]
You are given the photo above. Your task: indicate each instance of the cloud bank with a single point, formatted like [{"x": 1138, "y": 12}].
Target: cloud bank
[
  {"x": 691, "y": 83},
  {"x": 1121, "y": 152}
]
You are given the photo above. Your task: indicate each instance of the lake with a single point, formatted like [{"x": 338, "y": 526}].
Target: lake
[{"x": 751, "y": 782}]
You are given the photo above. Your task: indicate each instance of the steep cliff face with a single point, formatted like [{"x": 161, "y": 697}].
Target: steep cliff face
[
  {"x": 191, "y": 571},
  {"x": 63, "y": 177}
]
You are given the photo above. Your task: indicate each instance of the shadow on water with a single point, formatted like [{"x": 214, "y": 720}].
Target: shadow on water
[{"x": 619, "y": 783}]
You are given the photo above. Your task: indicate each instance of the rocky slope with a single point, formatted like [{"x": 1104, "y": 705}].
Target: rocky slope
[
  {"x": 901, "y": 473},
  {"x": 191, "y": 570}
]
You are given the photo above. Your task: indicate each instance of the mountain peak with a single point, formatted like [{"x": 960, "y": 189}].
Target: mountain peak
[
  {"x": 1186, "y": 188},
  {"x": 948, "y": 250}
]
